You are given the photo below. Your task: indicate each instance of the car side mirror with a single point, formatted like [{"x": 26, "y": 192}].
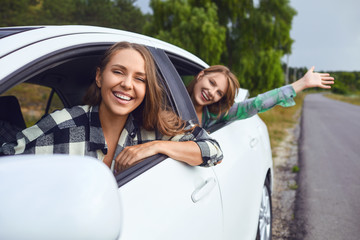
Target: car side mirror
[{"x": 58, "y": 197}]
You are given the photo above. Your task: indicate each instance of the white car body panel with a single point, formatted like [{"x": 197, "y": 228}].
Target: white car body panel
[
  {"x": 242, "y": 95},
  {"x": 163, "y": 193},
  {"x": 242, "y": 153},
  {"x": 27, "y": 54}
]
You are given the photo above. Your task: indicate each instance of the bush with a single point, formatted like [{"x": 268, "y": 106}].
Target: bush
[{"x": 340, "y": 88}]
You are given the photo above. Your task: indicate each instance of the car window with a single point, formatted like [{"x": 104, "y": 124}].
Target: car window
[
  {"x": 33, "y": 100},
  {"x": 185, "y": 68},
  {"x": 10, "y": 31}
]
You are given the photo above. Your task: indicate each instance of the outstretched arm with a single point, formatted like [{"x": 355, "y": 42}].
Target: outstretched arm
[
  {"x": 312, "y": 79},
  {"x": 280, "y": 96}
]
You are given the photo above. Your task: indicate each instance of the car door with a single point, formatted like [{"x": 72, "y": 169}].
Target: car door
[
  {"x": 241, "y": 176},
  {"x": 172, "y": 201}
]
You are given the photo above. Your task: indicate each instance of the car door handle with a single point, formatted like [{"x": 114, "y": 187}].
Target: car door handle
[
  {"x": 203, "y": 190},
  {"x": 253, "y": 142}
]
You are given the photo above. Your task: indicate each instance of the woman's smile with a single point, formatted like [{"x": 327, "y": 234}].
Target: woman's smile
[
  {"x": 205, "y": 95},
  {"x": 122, "y": 97}
]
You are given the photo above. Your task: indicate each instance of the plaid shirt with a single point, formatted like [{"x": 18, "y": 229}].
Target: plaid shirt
[
  {"x": 8, "y": 132},
  {"x": 77, "y": 131},
  {"x": 280, "y": 96}
]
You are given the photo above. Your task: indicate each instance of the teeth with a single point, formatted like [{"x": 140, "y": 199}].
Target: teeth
[
  {"x": 204, "y": 95},
  {"x": 123, "y": 97}
]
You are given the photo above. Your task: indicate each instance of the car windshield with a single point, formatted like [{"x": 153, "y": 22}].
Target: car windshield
[{"x": 4, "y": 32}]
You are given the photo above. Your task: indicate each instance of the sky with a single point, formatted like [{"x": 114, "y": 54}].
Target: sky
[{"x": 326, "y": 34}]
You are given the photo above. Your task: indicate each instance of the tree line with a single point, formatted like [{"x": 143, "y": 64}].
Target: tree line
[
  {"x": 248, "y": 36},
  {"x": 120, "y": 14},
  {"x": 346, "y": 83}
]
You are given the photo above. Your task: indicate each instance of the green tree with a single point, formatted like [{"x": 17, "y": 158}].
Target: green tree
[
  {"x": 346, "y": 82},
  {"x": 120, "y": 14},
  {"x": 195, "y": 29},
  {"x": 16, "y": 13},
  {"x": 256, "y": 39},
  {"x": 59, "y": 11},
  {"x": 349, "y": 79},
  {"x": 128, "y": 16},
  {"x": 357, "y": 83}
]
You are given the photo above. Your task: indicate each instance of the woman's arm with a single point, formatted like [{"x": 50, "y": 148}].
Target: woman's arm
[
  {"x": 187, "y": 152},
  {"x": 280, "y": 96},
  {"x": 241, "y": 110},
  {"x": 194, "y": 148}
]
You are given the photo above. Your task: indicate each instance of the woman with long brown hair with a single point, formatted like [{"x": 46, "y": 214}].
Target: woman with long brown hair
[
  {"x": 124, "y": 120},
  {"x": 214, "y": 89}
]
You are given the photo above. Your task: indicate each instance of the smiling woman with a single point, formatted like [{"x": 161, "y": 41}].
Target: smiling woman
[
  {"x": 121, "y": 120},
  {"x": 213, "y": 93}
]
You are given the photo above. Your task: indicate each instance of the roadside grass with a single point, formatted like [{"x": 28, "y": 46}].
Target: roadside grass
[
  {"x": 295, "y": 169},
  {"x": 353, "y": 99},
  {"x": 279, "y": 119},
  {"x": 293, "y": 186}
]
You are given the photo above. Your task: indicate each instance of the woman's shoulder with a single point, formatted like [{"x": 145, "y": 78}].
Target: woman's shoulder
[
  {"x": 66, "y": 117},
  {"x": 63, "y": 123},
  {"x": 70, "y": 113}
]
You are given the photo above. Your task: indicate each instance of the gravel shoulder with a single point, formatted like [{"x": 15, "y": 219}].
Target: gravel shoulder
[{"x": 285, "y": 186}]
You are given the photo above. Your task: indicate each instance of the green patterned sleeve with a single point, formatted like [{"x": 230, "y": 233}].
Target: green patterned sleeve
[{"x": 280, "y": 96}]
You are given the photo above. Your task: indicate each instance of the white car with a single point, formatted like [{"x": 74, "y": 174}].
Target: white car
[{"x": 72, "y": 197}]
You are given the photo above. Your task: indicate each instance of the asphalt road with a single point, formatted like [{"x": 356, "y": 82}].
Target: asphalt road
[{"x": 328, "y": 198}]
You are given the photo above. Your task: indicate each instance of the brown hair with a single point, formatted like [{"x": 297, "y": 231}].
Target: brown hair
[
  {"x": 153, "y": 110},
  {"x": 228, "y": 99}
]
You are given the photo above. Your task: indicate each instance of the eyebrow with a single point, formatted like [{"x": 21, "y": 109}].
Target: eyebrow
[
  {"x": 213, "y": 80},
  {"x": 124, "y": 68}
]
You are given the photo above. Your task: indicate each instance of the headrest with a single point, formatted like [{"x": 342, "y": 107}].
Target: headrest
[{"x": 10, "y": 111}]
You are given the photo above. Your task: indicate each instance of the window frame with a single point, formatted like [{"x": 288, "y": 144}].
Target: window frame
[
  {"x": 45, "y": 62},
  {"x": 176, "y": 87}
]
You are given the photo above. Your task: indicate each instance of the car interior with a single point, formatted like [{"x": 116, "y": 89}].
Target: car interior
[
  {"x": 10, "y": 113},
  {"x": 11, "y": 110},
  {"x": 62, "y": 84}
]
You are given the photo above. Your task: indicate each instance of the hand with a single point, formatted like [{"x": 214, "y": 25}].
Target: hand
[
  {"x": 134, "y": 154},
  {"x": 312, "y": 79}
]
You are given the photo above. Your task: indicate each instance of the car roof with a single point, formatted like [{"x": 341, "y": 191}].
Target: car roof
[{"x": 15, "y": 38}]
